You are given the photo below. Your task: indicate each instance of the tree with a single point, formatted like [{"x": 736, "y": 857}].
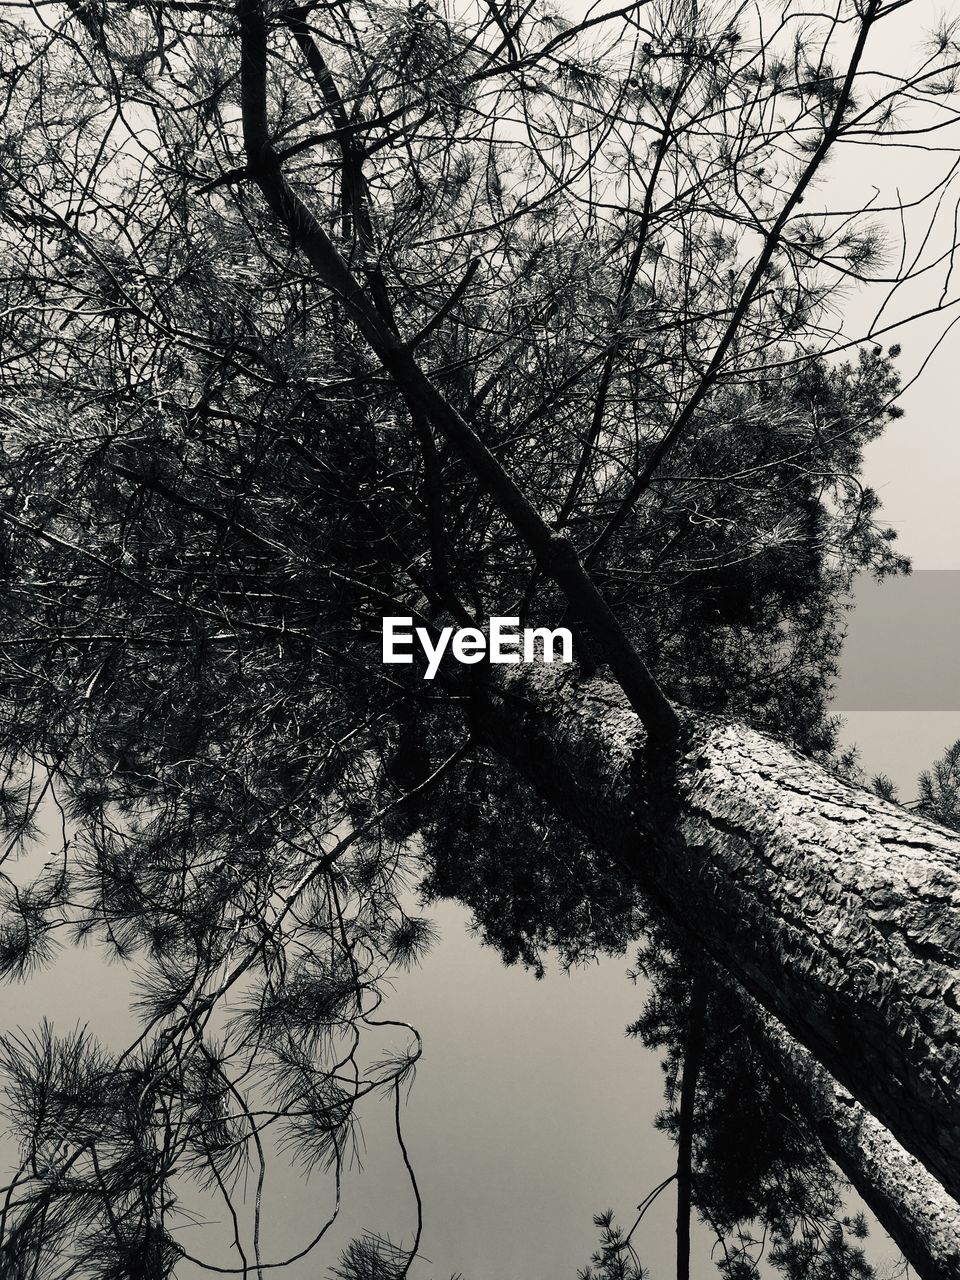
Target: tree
[
  {"x": 315, "y": 314},
  {"x": 940, "y": 790}
]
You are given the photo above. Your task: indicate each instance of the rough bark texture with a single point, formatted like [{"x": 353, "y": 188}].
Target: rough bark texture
[
  {"x": 922, "y": 1220},
  {"x": 838, "y": 912}
]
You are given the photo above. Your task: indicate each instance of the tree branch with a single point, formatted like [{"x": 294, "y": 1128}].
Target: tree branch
[
  {"x": 771, "y": 242},
  {"x": 555, "y": 554}
]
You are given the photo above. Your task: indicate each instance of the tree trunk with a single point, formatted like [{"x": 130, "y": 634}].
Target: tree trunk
[
  {"x": 839, "y": 912},
  {"x": 918, "y": 1215},
  {"x": 692, "y": 1058}
]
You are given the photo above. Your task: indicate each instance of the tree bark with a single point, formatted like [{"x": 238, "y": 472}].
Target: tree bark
[
  {"x": 838, "y": 912},
  {"x": 919, "y": 1216}
]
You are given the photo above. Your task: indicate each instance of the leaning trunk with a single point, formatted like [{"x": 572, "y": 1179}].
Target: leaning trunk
[
  {"x": 838, "y": 912},
  {"x": 919, "y": 1216},
  {"x": 692, "y": 1058}
]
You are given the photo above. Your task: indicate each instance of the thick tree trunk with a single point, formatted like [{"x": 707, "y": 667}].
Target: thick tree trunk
[
  {"x": 922, "y": 1220},
  {"x": 838, "y": 912}
]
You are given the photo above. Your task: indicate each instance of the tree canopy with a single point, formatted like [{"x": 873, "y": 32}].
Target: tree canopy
[{"x": 316, "y": 314}]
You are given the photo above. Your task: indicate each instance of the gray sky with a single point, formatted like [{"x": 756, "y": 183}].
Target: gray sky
[{"x": 900, "y": 655}]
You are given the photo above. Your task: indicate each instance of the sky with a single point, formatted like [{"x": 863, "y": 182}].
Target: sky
[{"x": 899, "y": 691}]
